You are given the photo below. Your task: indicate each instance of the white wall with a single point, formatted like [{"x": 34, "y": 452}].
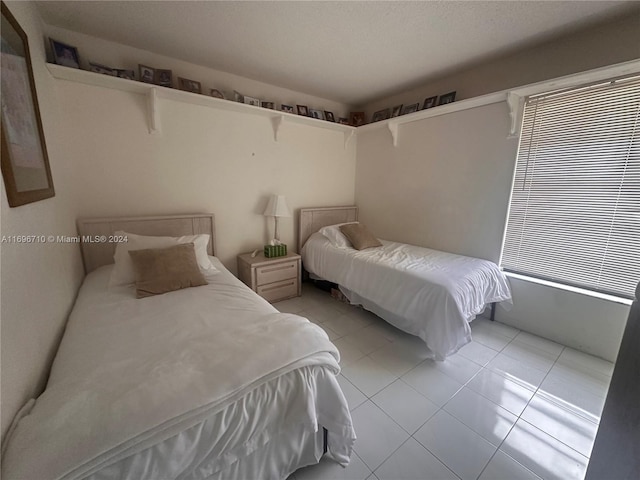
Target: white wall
[
  {"x": 38, "y": 283},
  {"x": 205, "y": 160}
]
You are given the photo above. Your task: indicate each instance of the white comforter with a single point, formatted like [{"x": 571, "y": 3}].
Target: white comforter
[
  {"x": 131, "y": 373},
  {"x": 425, "y": 292}
]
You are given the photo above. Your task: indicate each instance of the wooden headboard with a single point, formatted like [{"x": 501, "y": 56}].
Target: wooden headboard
[
  {"x": 98, "y": 253},
  {"x": 313, "y": 219}
]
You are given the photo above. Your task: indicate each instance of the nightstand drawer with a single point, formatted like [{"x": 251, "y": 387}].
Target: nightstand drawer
[
  {"x": 279, "y": 290},
  {"x": 277, "y": 272}
]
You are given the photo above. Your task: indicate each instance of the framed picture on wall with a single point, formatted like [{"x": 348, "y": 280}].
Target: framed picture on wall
[
  {"x": 286, "y": 108},
  {"x": 303, "y": 110},
  {"x": 189, "y": 85},
  {"x": 64, "y": 54},
  {"x": 410, "y": 108},
  {"x": 317, "y": 114},
  {"x": 395, "y": 111},
  {"x": 329, "y": 116},
  {"x": 147, "y": 74},
  {"x": 429, "y": 102},
  {"x": 24, "y": 159},
  {"x": 447, "y": 98},
  {"x": 163, "y": 78},
  {"x": 381, "y": 115}
]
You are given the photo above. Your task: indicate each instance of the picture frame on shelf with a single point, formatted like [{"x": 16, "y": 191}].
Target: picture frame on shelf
[
  {"x": 395, "y": 112},
  {"x": 187, "y": 85},
  {"x": 303, "y": 110},
  {"x": 128, "y": 74},
  {"x": 447, "y": 98},
  {"x": 217, "y": 93},
  {"x": 103, "y": 69},
  {"x": 147, "y": 74},
  {"x": 381, "y": 115},
  {"x": 64, "y": 54},
  {"x": 24, "y": 160},
  {"x": 252, "y": 101},
  {"x": 328, "y": 116},
  {"x": 238, "y": 97},
  {"x": 356, "y": 119},
  {"x": 269, "y": 105},
  {"x": 286, "y": 108},
  {"x": 317, "y": 114},
  {"x": 164, "y": 78},
  {"x": 429, "y": 102},
  {"x": 343, "y": 121},
  {"x": 410, "y": 108}
]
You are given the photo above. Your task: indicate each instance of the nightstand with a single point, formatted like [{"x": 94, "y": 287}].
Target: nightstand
[{"x": 274, "y": 279}]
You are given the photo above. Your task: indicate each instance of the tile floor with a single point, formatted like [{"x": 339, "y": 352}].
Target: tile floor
[{"x": 509, "y": 405}]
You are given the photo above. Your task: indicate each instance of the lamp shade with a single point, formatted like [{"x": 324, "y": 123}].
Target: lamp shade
[{"x": 277, "y": 207}]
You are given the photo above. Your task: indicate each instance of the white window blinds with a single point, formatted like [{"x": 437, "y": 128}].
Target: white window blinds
[{"x": 574, "y": 216}]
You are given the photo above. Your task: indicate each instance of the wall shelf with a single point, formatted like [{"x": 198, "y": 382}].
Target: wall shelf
[{"x": 156, "y": 93}]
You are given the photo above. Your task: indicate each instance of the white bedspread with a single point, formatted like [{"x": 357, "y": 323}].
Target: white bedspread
[
  {"x": 431, "y": 294},
  {"x": 131, "y": 373}
]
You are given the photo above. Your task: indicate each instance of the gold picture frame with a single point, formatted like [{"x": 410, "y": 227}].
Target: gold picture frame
[{"x": 25, "y": 163}]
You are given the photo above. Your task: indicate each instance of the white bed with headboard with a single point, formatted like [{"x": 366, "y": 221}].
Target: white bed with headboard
[
  {"x": 206, "y": 382},
  {"x": 431, "y": 294}
]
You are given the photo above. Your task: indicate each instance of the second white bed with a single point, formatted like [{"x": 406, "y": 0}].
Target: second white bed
[{"x": 431, "y": 294}]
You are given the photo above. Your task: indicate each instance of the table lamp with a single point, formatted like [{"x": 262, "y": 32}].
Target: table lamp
[{"x": 277, "y": 207}]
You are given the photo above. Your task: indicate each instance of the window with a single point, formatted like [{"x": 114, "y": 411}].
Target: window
[{"x": 574, "y": 216}]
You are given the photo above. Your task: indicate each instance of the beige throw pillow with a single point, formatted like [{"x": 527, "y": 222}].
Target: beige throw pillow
[
  {"x": 359, "y": 236},
  {"x": 162, "y": 270}
]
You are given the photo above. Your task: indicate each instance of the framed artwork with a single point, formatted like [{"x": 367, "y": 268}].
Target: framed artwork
[
  {"x": 447, "y": 98},
  {"x": 24, "y": 159},
  {"x": 128, "y": 74},
  {"x": 303, "y": 110},
  {"x": 329, "y": 116},
  {"x": 98, "y": 68},
  {"x": 286, "y": 108},
  {"x": 238, "y": 97},
  {"x": 189, "y": 85},
  {"x": 396, "y": 111},
  {"x": 163, "y": 78},
  {"x": 251, "y": 101},
  {"x": 147, "y": 74},
  {"x": 381, "y": 115},
  {"x": 429, "y": 102},
  {"x": 317, "y": 114},
  {"x": 343, "y": 121},
  {"x": 269, "y": 105},
  {"x": 216, "y": 93},
  {"x": 356, "y": 118},
  {"x": 64, "y": 54},
  {"x": 410, "y": 108}
]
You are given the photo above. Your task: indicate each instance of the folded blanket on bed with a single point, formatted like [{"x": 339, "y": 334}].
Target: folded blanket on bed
[{"x": 130, "y": 373}]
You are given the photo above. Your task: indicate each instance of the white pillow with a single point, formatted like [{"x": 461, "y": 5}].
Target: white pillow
[
  {"x": 337, "y": 238},
  {"x": 123, "y": 273}
]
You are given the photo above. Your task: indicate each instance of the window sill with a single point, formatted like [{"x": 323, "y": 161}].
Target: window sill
[{"x": 560, "y": 286}]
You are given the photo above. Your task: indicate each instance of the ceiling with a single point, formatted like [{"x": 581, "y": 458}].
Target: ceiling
[{"x": 350, "y": 52}]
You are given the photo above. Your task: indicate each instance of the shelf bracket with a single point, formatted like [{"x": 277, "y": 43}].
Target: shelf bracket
[
  {"x": 347, "y": 137},
  {"x": 393, "y": 128},
  {"x": 154, "y": 116},
  {"x": 516, "y": 105},
  {"x": 276, "y": 122}
]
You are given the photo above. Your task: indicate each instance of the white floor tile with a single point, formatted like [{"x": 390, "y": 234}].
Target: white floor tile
[
  {"x": 434, "y": 385},
  {"x": 330, "y": 333},
  {"x": 540, "y": 343},
  {"x": 403, "y": 404},
  {"x": 369, "y": 376},
  {"x": 575, "y": 359},
  {"x": 327, "y": 469},
  {"x": 293, "y": 305},
  {"x": 517, "y": 371},
  {"x": 378, "y": 435},
  {"x": 412, "y": 461},
  {"x": 457, "y": 367},
  {"x": 572, "y": 430},
  {"x": 503, "y": 467},
  {"x": 354, "y": 396},
  {"x": 484, "y": 417},
  {"x": 344, "y": 324},
  {"x": 367, "y": 340},
  {"x": 532, "y": 356},
  {"x": 499, "y": 390},
  {"x": 398, "y": 358},
  {"x": 492, "y": 339},
  {"x": 593, "y": 382},
  {"x": 496, "y": 327},
  {"x": 463, "y": 451},
  {"x": 542, "y": 454},
  {"x": 479, "y": 353},
  {"x": 349, "y": 353},
  {"x": 573, "y": 397}
]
